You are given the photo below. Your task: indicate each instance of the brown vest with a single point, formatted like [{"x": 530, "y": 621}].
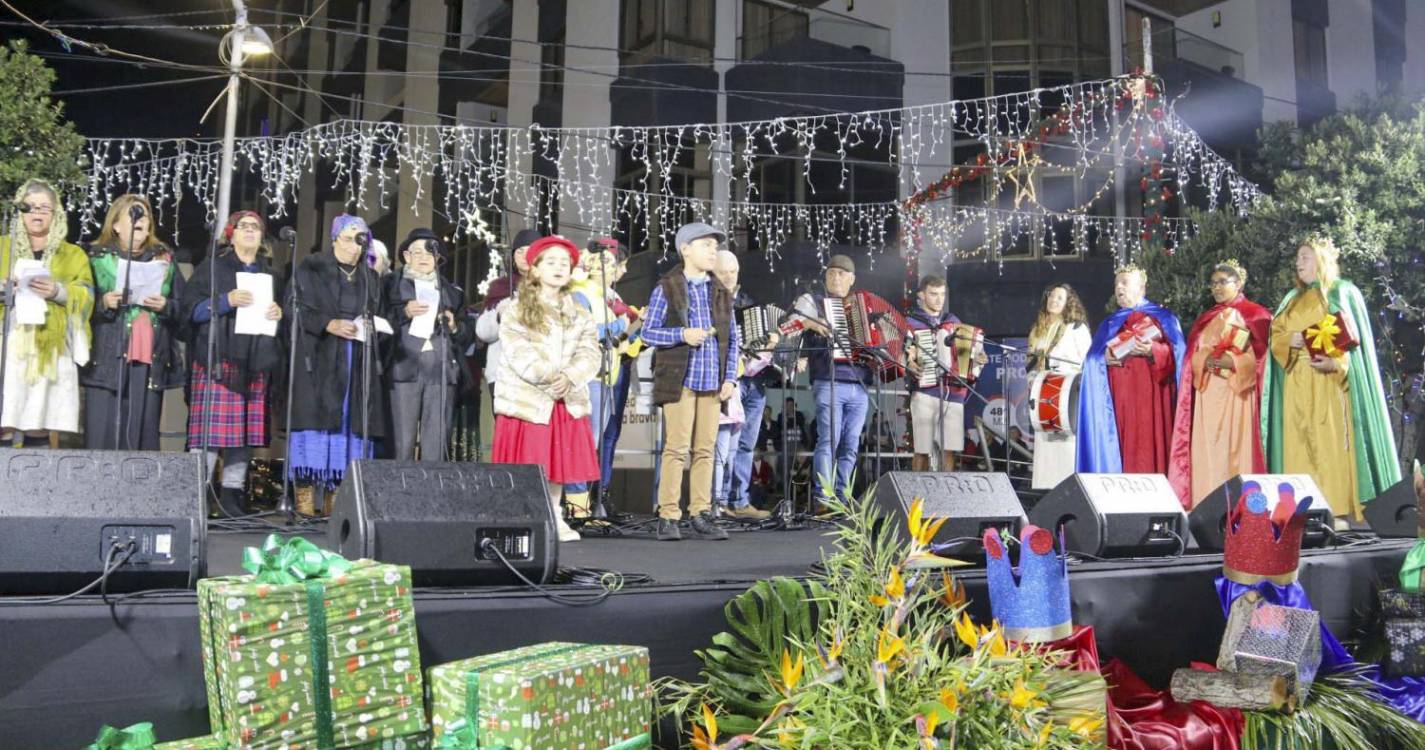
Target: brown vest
[{"x": 670, "y": 364}]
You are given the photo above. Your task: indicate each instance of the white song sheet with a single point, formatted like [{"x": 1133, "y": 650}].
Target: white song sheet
[
  {"x": 252, "y": 320},
  {"x": 30, "y": 308},
  {"x": 423, "y": 325}
]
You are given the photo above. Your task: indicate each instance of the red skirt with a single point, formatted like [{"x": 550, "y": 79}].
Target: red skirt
[{"x": 564, "y": 447}]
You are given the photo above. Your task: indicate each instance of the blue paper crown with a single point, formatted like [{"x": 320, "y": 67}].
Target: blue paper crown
[{"x": 1033, "y": 607}]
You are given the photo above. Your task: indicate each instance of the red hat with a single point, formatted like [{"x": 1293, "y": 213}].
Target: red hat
[
  {"x": 1264, "y": 544},
  {"x": 553, "y": 240},
  {"x": 239, "y": 216}
]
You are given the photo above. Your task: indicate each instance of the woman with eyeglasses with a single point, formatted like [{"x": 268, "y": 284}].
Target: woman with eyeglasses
[
  {"x": 338, "y": 403},
  {"x": 138, "y": 330},
  {"x": 50, "y": 340},
  {"x": 228, "y": 401},
  {"x": 430, "y": 338},
  {"x": 1216, "y": 432}
]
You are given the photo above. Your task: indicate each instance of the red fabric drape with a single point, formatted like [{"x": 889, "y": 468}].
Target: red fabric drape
[{"x": 1142, "y": 390}]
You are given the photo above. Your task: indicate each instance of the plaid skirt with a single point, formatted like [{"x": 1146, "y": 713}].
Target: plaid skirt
[{"x": 234, "y": 420}]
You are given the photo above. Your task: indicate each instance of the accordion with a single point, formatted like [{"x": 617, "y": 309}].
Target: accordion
[
  {"x": 872, "y": 330},
  {"x": 755, "y": 324},
  {"x": 932, "y": 355},
  {"x": 968, "y": 344}
]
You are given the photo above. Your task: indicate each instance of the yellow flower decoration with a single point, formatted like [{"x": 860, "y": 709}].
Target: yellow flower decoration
[
  {"x": 950, "y": 699},
  {"x": 1022, "y": 697},
  {"x": 791, "y": 673},
  {"x": 1044, "y": 733},
  {"x": 895, "y": 590},
  {"x": 965, "y": 629},
  {"x": 888, "y": 647},
  {"x": 1085, "y": 726},
  {"x": 832, "y": 653},
  {"x": 706, "y": 740},
  {"x": 997, "y": 644},
  {"x": 954, "y": 594},
  {"x": 921, "y": 529}
]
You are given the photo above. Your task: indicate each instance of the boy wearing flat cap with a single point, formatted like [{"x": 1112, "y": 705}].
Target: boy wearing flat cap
[{"x": 689, "y": 322}]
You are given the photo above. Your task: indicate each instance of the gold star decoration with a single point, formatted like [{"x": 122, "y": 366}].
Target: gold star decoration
[{"x": 1026, "y": 162}]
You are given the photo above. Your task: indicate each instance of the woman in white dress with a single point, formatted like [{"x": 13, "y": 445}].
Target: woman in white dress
[{"x": 1058, "y": 343}]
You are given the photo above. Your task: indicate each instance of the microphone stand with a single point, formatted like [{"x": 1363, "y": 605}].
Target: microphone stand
[
  {"x": 369, "y": 328},
  {"x": 599, "y": 510},
  {"x": 287, "y": 507},
  {"x": 214, "y": 366},
  {"x": 123, "y": 356},
  {"x": 7, "y": 301}
]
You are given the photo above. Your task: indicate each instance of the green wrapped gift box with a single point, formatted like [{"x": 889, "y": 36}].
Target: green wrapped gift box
[
  {"x": 270, "y": 646},
  {"x": 210, "y": 742},
  {"x": 545, "y": 697}
]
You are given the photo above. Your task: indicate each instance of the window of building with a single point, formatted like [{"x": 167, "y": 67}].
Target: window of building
[
  {"x": 766, "y": 25},
  {"x": 680, "y": 30},
  {"x": 1310, "y": 43}
]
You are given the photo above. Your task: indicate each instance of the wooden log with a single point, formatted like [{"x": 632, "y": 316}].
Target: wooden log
[
  {"x": 1252, "y": 692},
  {"x": 1239, "y": 617}
]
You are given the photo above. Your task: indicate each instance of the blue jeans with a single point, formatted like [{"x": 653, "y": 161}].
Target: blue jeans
[
  {"x": 850, "y": 409},
  {"x": 722, "y": 461},
  {"x": 598, "y": 392},
  {"x": 754, "y": 401}
]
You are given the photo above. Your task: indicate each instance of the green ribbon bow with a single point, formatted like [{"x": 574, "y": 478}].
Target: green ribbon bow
[
  {"x": 460, "y": 735},
  {"x": 293, "y": 561},
  {"x": 1410, "y": 569},
  {"x": 134, "y": 737}
]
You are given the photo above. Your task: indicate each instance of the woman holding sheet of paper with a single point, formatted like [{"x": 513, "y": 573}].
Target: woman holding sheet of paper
[
  {"x": 49, "y": 325},
  {"x": 430, "y": 336},
  {"x": 338, "y": 403},
  {"x": 228, "y": 402},
  {"x": 137, "y": 325}
]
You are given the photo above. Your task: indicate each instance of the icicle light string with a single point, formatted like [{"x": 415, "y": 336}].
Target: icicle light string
[{"x": 478, "y": 165}]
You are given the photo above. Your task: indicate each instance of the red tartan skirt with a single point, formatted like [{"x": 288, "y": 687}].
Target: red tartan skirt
[
  {"x": 564, "y": 447},
  {"x": 238, "y": 420}
]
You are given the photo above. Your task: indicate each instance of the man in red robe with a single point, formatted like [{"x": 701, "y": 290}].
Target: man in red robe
[{"x": 1127, "y": 398}]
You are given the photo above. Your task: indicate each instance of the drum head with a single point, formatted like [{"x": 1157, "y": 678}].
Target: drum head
[{"x": 1070, "y": 416}]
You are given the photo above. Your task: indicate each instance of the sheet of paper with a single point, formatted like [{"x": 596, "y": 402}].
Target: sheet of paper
[
  {"x": 423, "y": 325},
  {"x": 380, "y": 324},
  {"x": 252, "y": 320},
  {"x": 145, "y": 278},
  {"x": 30, "y": 307}
]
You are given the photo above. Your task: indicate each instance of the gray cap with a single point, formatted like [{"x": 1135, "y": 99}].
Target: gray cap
[
  {"x": 696, "y": 231},
  {"x": 842, "y": 262}
]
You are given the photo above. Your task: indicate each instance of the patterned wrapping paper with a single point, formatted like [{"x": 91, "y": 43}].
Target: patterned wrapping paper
[
  {"x": 1398, "y": 603},
  {"x": 547, "y": 696},
  {"x": 1407, "y": 647},
  {"x": 209, "y": 742},
  {"x": 260, "y": 673}
]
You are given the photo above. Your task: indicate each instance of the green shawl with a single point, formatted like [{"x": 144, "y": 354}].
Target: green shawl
[
  {"x": 42, "y": 344},
  {"x": 1377, "y": 467}
]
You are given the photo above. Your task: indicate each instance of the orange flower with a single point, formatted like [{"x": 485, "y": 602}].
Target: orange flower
[
  {"x": 921, "y": 529},
  {"x": 950, "y": 699},
  {"x": 954, "y": 594},
  {"x": 894, "y": 588},
  {"x": 706, "y": 740}
]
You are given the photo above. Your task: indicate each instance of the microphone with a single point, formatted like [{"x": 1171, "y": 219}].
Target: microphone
[
  {"x": 21, "y": 207},
  {"x": 363, "y": 238},
  {"x": 136, "y": 212},
  {"x": 287, "y": 234}
]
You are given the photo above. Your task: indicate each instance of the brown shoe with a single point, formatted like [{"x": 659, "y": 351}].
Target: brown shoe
[
  {"x": 304, "y": 500},
  {"x": 749, "y": 513}
]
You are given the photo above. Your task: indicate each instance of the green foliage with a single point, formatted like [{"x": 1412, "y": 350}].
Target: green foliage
[
  {"x": 876, "y": 653},
  {"x": 35, "y": 140},
  {"x": 1358, "y": 177},
  {"x": 1341, "y": 712}
]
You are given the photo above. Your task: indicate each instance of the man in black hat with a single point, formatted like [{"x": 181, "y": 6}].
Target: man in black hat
[{"x": 424, "y": 367}]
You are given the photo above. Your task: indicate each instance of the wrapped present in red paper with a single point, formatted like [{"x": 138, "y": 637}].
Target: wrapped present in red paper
[
  {"x": 1235, "y": 340},
  {"x": 1143, "y": 330},
  {"x": 1333, "y": 336}
]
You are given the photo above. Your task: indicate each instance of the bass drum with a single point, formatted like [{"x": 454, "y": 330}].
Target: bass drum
[{"x": 1054, "y": 403}]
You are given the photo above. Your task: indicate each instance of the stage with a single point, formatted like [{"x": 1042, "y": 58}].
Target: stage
[{"x": 68, "y": 668}]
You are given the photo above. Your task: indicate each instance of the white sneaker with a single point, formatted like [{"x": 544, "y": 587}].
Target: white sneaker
[{"x": 566, "y": 534}]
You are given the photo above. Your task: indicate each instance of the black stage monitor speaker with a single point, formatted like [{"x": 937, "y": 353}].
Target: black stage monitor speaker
[
  {"x": 1115, "y": 515},
  {"x": 1396, "y": 512},
  {"x": 1209, "y": 517},
  {"x": 971, "y": 501},
  {"x": 435, "y": 516},
  {"x": 61, "y": 512}
]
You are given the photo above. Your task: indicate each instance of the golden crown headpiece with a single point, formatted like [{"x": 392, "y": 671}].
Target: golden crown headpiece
[
  {"x": 1131, "y": 267},
  {"x": 1237, "y": 268}
]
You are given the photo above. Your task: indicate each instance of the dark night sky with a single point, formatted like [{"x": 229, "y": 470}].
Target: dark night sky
[{"x": 161, "y": 111}]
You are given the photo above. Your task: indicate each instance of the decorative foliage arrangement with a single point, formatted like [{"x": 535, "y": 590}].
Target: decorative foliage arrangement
[
  {"x": 35, "y": 139},
  {"x": 877, "y": 652}
]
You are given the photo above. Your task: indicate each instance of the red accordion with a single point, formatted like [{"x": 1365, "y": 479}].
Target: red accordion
[{"x": 874, "y": 329}]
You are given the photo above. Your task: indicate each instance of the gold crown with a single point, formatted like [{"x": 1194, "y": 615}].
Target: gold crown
[
  {"x": 1132, "y": 267},
  {"x": 1237, "y": 268}
]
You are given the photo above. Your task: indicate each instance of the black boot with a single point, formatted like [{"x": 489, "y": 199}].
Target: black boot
[{"x": 231, "y": 502}]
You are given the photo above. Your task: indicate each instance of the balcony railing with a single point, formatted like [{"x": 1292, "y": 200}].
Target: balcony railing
[
  {"x": 794, "y": 22},
  {"x": 1186, "y": 46}
]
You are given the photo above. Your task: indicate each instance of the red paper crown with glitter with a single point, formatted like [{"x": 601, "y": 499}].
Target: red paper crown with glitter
[{"x": 1263, "y": 544}]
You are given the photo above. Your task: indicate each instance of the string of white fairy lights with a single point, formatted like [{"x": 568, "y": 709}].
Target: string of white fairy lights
[{"x": 481, "y": 168}]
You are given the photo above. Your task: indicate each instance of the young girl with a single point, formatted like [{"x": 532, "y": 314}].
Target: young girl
[{"x": 542, "y": 385}]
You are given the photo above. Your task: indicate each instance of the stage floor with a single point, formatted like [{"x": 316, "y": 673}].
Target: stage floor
[{"x": 67, "y": 668}]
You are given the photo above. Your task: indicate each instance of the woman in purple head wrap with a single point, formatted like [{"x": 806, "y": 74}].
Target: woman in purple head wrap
[{"x": 337, "y": 400}]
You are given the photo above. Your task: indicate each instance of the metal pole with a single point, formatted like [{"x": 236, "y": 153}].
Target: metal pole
[
  {"x": 1147, "y": 45},
  {"x": 225, "y": 174}
]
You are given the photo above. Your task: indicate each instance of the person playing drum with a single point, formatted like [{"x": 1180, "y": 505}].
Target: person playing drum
[
  {"x": 1217, "y": 434},
  {"x": 1057, "y": 344}
]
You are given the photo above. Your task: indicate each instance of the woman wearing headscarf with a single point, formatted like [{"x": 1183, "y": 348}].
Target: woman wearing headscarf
[
  {"x": 228, "y": 402},
  {"x": 46, "y": 347},
  {"x": 137, "y": 340},
  {"x": 338, "y": 407}
]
